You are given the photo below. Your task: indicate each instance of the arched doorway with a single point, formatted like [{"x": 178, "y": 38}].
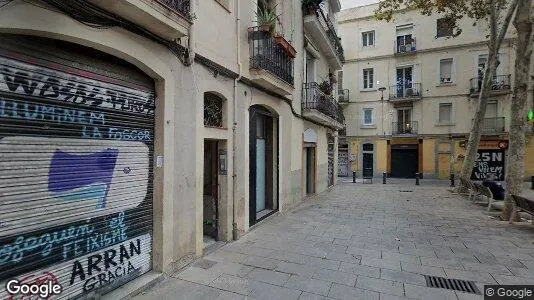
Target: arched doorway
[
  {"x": 78, "y": 135},
  {"x": 263, "y": 163}
]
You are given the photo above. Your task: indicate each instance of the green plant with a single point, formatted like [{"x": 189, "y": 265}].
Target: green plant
[
  {"x": 267, "y": 18},
  {"x": 326, "y": 87}
]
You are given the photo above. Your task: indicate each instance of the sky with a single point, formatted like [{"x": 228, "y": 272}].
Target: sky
[{"x": 352, "y": 3}]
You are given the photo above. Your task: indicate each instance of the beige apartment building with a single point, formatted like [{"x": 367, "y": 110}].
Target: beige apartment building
[
  {"x": 131, "y": 131},
  {"x": 413, "y": 92}
]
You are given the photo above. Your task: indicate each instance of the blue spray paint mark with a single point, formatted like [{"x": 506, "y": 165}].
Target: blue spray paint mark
[{"x": 82, "y": 177}]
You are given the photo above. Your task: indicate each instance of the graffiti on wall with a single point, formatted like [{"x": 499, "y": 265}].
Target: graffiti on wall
[
  {"x": 75, "y": 178},
  {"x": 489, "y": 164}
]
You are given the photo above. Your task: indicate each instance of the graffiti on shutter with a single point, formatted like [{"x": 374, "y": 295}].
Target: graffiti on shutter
[
  {"x": 343, "y": 169},
  {"x": 75, "y": 178},
  {"x": 489, "y": 164}
]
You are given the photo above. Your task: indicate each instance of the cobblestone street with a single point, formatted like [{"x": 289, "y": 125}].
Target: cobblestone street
[{"x": 363, "y": 241}]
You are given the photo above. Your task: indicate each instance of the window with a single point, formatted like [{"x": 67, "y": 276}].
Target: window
[
  {"x": 445, "y": 113},
  {"x": 445, "y": 27},
  {"x": 368, "y": 78},
  {"x": 445, "y": 70},
  {"x": 368, "y": 116},
  {"x": 213, "y": 110},
  {"x": 368, "y": 38},
  {"x": 491, "y": 109}
]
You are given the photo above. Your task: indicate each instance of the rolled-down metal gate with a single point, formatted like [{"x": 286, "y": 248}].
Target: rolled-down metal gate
[{"x": 76, "y": 146}]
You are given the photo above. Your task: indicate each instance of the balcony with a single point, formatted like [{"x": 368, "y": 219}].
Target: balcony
[
  {"x": 270, "y": 66},
  {"x": 499, "y": 85},
  {"x": 169, "y": 19},
  {"x": 321, "y": 29},
  {"x": 407, "y": 92},
  {"x": 493, "y": 125},
  {"x": 406, "y": 48},
  {"x": 320, "y": 107},
  {"x": 343, "y": 96},
  {"x": 404, "y": 128}
]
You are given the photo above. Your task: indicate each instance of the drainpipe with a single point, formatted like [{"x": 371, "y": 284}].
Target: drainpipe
[
  {"x": 234, "y": 126},
  {"x": 191, "y": 34}
]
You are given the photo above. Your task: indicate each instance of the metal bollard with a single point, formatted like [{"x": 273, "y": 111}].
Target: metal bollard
[
  {"x": 354, "y": 177},
  {"x": 416, "y": 178},
  {"x": 532, "y": 181},
  {"x": 384, "y": 177},
  {"x": 452, "y": 180}
]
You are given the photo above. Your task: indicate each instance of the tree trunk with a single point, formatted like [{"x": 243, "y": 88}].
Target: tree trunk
[
  {"x": 493, "y": 62},
  {"x": 516, "y": 153},
  {"x": 478, "y": 121}
]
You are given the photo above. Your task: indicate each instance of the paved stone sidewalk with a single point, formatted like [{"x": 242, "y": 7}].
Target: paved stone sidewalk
[{"x": 363, "y": 241}]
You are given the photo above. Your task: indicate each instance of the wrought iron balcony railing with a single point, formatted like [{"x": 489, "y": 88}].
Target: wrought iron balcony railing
[
  {"x": 180, "y": 6},
  {"x": 314, "y": 98},
  {"x": 493, "y": 125},
  {"x": 406, "y": 48},
  {"x": 266, "y": 54},
  {"x": 343, "y": 96},
  {"x": 404, "y": 127},
  {"x": 335, "y": 40},
  {"x": 405, "y": 91},
  {"x": 499, "y": 83}
]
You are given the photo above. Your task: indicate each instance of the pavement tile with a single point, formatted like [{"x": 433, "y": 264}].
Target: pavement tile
[
  {"x": 335, "y": 276},
  {"x": 232, "y": 283},
  {"x": 444, "y": 263},
  {"x": 365, "y": 252},
  {"x": 380, "y": 285},
  {"x": 343, "y": 292},
  {"x": 423, "y": 292},
  {"x": 296, "y": 269},
  {"x": 267, "y": 276},
  {"x": 310, "y": 296},
  {"x": 266, "y": 291},
  {"x": 359, "y": 269},
  {"x": 483, "y": 277},
  {"x": 197, "y": 275},
  {"x": 424, "y": 270},
  {"x": 402, "y": 276},
  {"x": 310, "y": 285},
  {"x": 381, "y": 263},
  {"x": 261, "y": 262},
  {"x": 401, "y": 257}
]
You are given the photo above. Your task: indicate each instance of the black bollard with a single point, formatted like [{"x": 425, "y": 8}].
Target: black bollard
[
  {"x": 452, "y": 180},
  {"x": 532, "y": 181},
  {"x": 416, "y": 178},
  {"x": 354, "y": 177},
  {"x": 384, "y": 178}
]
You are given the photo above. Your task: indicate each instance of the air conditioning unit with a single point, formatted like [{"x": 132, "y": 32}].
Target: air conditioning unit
[{"x": 446, "y": 80}]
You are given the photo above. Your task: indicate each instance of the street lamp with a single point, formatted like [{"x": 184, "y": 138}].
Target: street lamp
[{"x": 382, "y": 89}]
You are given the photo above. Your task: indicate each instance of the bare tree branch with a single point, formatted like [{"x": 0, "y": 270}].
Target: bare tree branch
[{"x": 507, "y": 19}]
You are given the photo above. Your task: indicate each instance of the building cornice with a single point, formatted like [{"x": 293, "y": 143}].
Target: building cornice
[{"x": 428, "y": 50}]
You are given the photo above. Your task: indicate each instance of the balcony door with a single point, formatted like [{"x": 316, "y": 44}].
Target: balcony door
[
  {"x": 404, "y": 120},
  {"x": 404, "y": 80},
  {"x": 404, "y": 37}
]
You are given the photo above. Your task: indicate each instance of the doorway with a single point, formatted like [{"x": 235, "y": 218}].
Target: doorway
[
  {"x": 211, "y": 192},
  {"x": 310, "y": 170},
  {"x": 263, "y": 164},
  {"x": 404, "y": 81},
  {"x": 404, "y": 161},
  {"x": 368, "y": 160}
]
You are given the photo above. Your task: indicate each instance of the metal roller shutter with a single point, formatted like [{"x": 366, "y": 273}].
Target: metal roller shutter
[{"x": 76, "y": 155}]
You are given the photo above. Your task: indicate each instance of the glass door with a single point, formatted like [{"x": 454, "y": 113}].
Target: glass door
[
  {"x": 404, "y": 80},
  {"x": 404, "y": 120}
]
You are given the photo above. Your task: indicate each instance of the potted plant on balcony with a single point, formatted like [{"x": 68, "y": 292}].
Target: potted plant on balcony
[
  {"x": 286, "y": 46},
  {"x": 266, "y": 20},
  {"x": 310, "y": 6},
  {"x": 326, "y": 87}
]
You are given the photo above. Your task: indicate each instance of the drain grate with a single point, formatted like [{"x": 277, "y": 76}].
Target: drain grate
[
  {"x": 405, "y": 191},
  {"x": 452, "y": 284}
]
